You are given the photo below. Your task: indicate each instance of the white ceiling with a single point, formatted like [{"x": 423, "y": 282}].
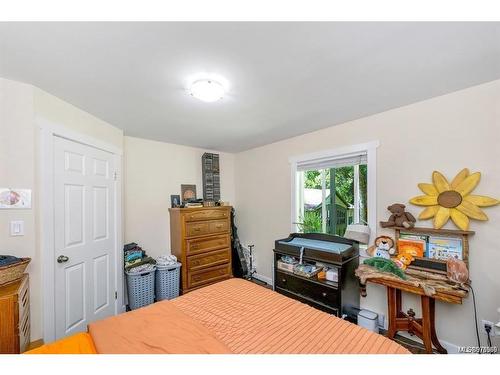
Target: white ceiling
[{"x": 286, "y": 78}]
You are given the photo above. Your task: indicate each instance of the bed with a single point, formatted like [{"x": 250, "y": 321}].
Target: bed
[{"x": 233, "y": 316}]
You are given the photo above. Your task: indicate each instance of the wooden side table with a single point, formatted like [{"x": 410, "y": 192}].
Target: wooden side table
[{"x": 423, "y": 327}]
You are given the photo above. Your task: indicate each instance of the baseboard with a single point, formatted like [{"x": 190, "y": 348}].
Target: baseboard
[
  {"x": 451, "y": 348},
  {"x": 263, "y": 278}
]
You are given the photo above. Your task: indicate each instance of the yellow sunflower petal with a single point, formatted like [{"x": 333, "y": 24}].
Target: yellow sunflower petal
[
  {"x": 481, "y": 200},
  {"x": 459, "y": 178},
  {"x": 428, "y": 213},
  {"x": 440, "y": 182},
  {"x": 441, "y": 217},
  {"x": 428, "y": 189},
  {"x": 471, "y": 211},
  {"x": 461, "y": 220},
  {"x": 424, "y": 200},
  {"x": 467, "y": 185}
]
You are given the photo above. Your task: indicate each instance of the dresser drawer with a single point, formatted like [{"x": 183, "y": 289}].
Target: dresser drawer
[
  {"x": 213, "y": 258},
  {"x": 323, "y": 294},
  {"x": 197, "y": 229},
  {"x": 208, "y": 276},
  {"x": 206, "y": 244},
  {"x": 218, "y": 226},
  {"x": 207, "y": 215}
]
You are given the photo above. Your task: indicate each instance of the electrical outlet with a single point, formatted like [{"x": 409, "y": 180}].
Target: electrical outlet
[{"x": 485, "y": 323}]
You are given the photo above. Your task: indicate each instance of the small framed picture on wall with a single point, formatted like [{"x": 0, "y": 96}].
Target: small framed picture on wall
[{"x": 175, "y": 201}]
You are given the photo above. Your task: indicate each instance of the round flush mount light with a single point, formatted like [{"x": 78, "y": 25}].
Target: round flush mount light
[{"x": 208, "y": 89}]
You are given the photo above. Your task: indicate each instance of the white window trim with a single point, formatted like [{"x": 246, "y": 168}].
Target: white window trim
[{"x": 371, "y": 154}]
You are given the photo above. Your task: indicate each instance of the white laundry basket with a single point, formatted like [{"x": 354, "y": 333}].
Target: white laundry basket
[
  {"x": 167, "y": 281},
  {"x": 141, "y": 288}
]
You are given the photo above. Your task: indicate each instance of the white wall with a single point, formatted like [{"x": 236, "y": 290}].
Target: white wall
[
  {"x": 153, "y": 172},
  {"x": 20, "y": 106},
  {"x": 446, "y": 133},
  {"x": 17, "y": 170}
]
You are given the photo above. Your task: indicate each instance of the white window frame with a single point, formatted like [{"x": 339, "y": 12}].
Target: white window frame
[{"x": 370, "y": 148}]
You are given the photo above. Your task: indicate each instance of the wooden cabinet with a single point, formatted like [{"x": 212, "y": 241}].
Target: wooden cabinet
[
  {"x": 200, "y": 238},
  {"x": 15, "y": 316}
]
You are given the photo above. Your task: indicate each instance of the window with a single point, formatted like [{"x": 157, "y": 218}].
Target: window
[{"x": 334, "y": 189}]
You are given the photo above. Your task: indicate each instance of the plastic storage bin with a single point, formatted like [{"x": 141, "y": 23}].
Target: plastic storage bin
[
  {"x": 141, "y": 289},
  {"x": 368, "y": 319},
  {"x": 167, "y": 281}
]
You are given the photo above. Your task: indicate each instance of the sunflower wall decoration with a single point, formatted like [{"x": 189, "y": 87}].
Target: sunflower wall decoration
[{"x": 445, "y": 200}]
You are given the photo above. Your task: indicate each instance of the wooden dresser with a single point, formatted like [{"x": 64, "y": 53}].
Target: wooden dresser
[
  {"x": 200, "y": 238},
  {"x": 15, "y": 316}
]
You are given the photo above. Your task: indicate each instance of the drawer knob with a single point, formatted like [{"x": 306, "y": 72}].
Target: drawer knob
[
  {"x": 323, "y": 294},
  {"x": 283, "y": 280}
]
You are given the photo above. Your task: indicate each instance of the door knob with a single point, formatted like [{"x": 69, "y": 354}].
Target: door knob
[{"x": 62, "y": 259}]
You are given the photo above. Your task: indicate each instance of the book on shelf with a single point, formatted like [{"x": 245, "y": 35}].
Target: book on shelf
[
  {"x": 416, "y": 247},
  {"x": 443, "y": 248}
]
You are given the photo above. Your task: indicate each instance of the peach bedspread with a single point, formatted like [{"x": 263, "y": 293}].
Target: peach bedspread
[
  {"x": 159, "y": 328},
  {"x": 251, "y": 319}
]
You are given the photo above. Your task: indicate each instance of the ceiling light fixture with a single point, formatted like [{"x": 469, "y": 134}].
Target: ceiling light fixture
[{"x": 207, "y": 90}]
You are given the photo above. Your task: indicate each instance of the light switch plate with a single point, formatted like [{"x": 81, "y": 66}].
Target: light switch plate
[{"x": 17, "y": 228}]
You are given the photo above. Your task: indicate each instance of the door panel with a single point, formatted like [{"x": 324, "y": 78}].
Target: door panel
[
  {"x": 84, "y": 196},
  {"x": 100, "y": 199},
  {"x": 74, "y": 210},
  {"x": 101, "y": 282},
  {"x": 75, "y": 293}
]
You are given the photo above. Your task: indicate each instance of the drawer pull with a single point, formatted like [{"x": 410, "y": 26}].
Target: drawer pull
[
  {"x": 283, "y": 281},
  {"x": 195, "y": 246},
  {"x": 197, "y": 229},
  {"x": 218, "y": 226},
  {"x": 323, "y": 294}
]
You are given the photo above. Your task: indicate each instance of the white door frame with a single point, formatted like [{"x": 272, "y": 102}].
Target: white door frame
[{"x": 47, "y": 131}]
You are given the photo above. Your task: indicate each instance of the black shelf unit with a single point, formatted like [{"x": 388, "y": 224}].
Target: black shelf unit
[
  {"x": 211, "y": 176},
  {"x": 338, "y": 298}
]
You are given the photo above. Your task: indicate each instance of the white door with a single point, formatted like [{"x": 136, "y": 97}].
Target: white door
[{"x": 84, "y": 199}]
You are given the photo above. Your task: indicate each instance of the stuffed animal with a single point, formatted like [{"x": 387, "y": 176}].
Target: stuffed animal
[
  {"x": 456, "y": 271},
  {"x": 385, "y": 265},
  {"x": 399, "y": 217},
  {"x": 403, "y": 260},
  {"x": 383, "y": 248}
]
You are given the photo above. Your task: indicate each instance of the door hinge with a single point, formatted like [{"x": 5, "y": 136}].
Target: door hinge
[
  {"x": 115, "y": 175},
  {"x": 116, "y": 295}
]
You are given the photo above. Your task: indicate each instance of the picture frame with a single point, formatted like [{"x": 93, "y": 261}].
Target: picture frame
[
  {"x": 188, "y": 192},
  {"x": 15, "y": 198},
  {"x": 175, "y": 201}
]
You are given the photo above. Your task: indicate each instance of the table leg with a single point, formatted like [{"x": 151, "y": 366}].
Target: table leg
[
  {"x": 392, "y": 308},
  {"x": 434, "y": 337},
  {"x": 426, "y": 323}
]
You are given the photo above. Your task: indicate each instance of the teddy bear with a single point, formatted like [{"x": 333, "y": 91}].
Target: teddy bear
[
  {"x": 383, "y": 248},
  {"x": 403, "y": 260},
  {"x": 399, "y": 217}
]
